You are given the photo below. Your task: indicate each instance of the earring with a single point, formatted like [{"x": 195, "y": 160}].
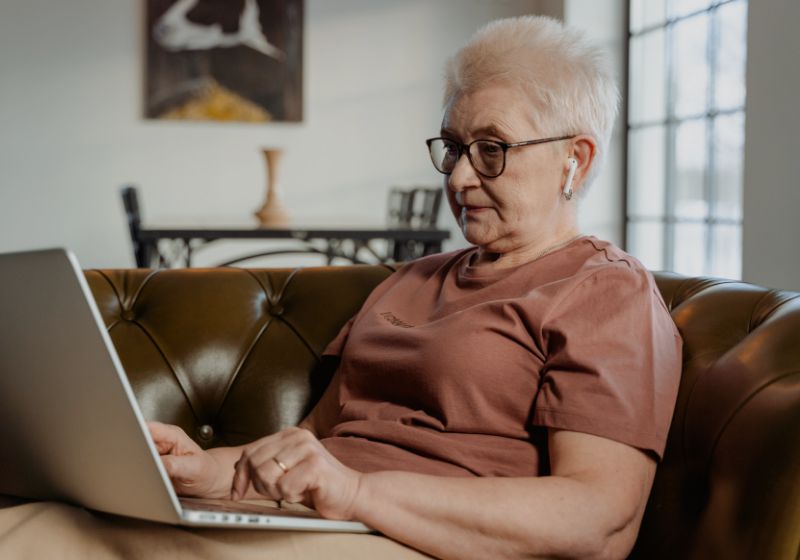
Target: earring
[{"x": 573, "y": 165}]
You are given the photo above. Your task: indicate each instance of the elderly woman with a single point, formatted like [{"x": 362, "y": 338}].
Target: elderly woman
[{"x": 507, "y": 400}]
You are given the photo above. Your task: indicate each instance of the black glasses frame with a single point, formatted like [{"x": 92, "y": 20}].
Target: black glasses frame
[{"x": 465, "y": 149}]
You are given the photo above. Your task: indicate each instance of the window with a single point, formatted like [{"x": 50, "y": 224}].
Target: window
[{"x": 686, "y": 92}]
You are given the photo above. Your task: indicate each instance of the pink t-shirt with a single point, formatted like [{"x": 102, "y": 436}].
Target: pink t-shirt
[{"x": 449, "y": 370}]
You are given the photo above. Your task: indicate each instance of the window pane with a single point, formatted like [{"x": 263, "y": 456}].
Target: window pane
[
  {"x": 684, "y": 7},
  {"x": 726, "y": 256},
  {"x": 645, "y": 13},
  {"x": 690, "y": 249},
  {"x": 646, "y": 243},
  {"x": 679, "y": 150},
  {"x": 731, "y": 55},
  {"x": 690, "y": 170},
  {"x": 647, "y": 99},
  {"x": 728, "y": 165},
  {"x": 691, "y": 71},
  {"x": 646, "y": 171}
]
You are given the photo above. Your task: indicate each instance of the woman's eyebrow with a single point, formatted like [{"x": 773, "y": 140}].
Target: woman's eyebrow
[
  {"x": 492, "y": 130},
  {"x": 488, "y": 130}
]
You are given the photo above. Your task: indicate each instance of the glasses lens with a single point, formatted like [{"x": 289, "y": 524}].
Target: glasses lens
[
  {"x": 444, "y": 155},
  {"x": 488, "y": 157}
]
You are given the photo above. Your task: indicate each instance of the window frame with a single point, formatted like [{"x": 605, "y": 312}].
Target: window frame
[{"x": 670, "y": 123}]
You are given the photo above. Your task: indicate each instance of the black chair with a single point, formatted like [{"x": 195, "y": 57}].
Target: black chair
[
  {"x": 399, "y": 207},
  {"x": 130, "y": 201},
  {"x": 148, "y": 255},
  {"x": 415, "y": 207},
  {"x": 425, "y": 209}
]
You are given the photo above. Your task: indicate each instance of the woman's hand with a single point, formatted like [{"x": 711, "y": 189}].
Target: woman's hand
[
  {"x": 193, "y": 471},
  {"x": 293, "y": 466}
]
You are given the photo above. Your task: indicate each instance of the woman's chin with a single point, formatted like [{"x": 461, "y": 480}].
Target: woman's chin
[{"x": 477, "y": 236}]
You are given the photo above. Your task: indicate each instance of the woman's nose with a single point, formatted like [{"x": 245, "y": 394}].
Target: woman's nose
[{"x": 463, "y": 175}]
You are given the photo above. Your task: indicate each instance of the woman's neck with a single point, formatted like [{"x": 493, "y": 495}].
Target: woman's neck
[{"x": 510, "y": 259}]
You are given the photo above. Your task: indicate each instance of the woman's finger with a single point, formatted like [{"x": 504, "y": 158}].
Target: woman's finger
[
  {"x": 252, "y": 468},
  {"x": 286, "y": 452},
  {"x": 185, "y": 472},
  {"x": 241, "y": 480},
  {"x": 260, "y": 461},
  {"x": 172, "y": 439},
  {"x": 294, "y": 485},
  {"x": 162, "y": 437},
  {"x": 267, "y": 471},
  {"x": 264, "y": 487},
  {"x": 183, "y": 467},
  {"x": 172, "y": 467}
]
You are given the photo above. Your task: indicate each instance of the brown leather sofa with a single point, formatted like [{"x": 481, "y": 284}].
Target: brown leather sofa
[{"x": 234, "y": 354}]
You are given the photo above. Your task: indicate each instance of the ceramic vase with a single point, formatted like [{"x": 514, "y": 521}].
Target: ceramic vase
[{"x": 272, "y": 212}]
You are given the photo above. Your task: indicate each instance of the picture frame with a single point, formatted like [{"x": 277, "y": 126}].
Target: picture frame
[{"x": 224, "y": 60}]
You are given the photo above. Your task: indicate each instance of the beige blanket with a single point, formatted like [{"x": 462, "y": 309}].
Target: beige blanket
[{"x": 56, "y": 530}]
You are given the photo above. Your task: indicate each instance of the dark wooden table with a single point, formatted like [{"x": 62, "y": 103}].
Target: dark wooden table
[{"x": 164, "y": 247}]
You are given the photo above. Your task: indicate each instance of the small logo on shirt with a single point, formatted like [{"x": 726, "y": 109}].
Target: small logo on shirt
[{"x": 395, "y": 321}]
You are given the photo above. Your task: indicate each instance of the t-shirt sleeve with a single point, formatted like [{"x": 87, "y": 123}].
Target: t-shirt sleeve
[{"x": 613, "y": 360}]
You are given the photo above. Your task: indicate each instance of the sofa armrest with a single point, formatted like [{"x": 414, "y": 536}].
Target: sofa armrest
[{"x": 729, "y": 484}]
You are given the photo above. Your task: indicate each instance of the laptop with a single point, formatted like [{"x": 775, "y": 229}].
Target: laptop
[{"x": 72, "y": 430}]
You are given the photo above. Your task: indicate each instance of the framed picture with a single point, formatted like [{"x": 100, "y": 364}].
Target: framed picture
[{"x": 224, "y": 60}]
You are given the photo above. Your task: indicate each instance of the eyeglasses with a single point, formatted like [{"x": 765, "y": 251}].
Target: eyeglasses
[{"x": 488, "y": 157}]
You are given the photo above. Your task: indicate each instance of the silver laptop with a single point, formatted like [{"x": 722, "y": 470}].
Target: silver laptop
[{"x": 71, "y": 427}]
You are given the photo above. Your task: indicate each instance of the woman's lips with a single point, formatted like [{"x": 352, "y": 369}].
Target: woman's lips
[{"x": 472, "y": 210}]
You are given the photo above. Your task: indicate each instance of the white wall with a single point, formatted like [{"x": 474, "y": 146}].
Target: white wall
[
  {"x": 772, "y": 167},
  {"x": 602, "y": 210},
  {"x": 72, "y": 132}
]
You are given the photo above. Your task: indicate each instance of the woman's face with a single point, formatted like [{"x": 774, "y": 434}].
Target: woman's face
[{"x": 523, "y": 207}]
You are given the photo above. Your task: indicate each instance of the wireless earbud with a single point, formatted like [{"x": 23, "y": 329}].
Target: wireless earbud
[{"x": 573, "y": 165}]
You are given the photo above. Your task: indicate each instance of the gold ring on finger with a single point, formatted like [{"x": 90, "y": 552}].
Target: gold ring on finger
[{"x": 280, "y": 464}]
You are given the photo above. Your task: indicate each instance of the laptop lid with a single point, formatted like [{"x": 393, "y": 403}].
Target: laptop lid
[{"x": 71, "y": 428}]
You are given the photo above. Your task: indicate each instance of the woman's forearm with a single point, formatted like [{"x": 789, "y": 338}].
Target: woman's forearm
[{"x": 490, "y": 517}]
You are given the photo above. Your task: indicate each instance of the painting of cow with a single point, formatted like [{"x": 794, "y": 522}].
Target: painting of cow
[{"x": 225, "y": 60}]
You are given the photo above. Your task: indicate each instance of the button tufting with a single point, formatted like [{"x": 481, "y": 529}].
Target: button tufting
[
  {"x": 276, "y": 310},
  {"x": 205, "y": 432},
  {"x": 127, "y": 314}
]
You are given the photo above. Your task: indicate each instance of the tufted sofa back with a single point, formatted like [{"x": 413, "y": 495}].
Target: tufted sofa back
[
  {"x": 234, "y": 354},
  {"x": 228, "y": 354}
]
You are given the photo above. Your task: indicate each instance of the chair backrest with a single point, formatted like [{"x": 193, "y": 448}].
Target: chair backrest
[
  {"x": 399, "y": 207},
  {"x": 130, "y": 201},
  {"x": 426, "y": 203},
  {"x": 414, "y": 207}
]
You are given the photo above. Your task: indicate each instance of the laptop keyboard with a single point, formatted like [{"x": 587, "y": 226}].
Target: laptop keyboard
[{"x": 260, "y": 507}]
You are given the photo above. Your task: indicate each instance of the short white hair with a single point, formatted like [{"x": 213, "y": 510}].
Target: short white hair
[{"x": 568, "y": 79}]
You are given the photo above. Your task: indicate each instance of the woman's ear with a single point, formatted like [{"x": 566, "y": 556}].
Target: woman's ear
[{"x": 583, "y": 150}]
